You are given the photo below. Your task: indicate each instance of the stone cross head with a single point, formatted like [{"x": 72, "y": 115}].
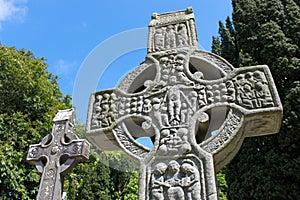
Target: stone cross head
[{"x": 194, "y": 106}]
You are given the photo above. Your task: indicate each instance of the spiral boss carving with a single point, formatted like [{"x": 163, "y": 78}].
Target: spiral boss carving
[
  {"x": 57, "y": 154},
  {"x": 194, "y": 105}
]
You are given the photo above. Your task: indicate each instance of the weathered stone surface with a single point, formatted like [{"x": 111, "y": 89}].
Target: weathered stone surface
[
  {"x": 56, "y": 155},
  {"x": 194, "y": 105}
]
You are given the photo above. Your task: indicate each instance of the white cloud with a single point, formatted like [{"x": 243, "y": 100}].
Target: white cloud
[
  {"x": 63, "y": 67},
  {"x": 12, "y": 9},
  {"x": 66, "y": 71}
]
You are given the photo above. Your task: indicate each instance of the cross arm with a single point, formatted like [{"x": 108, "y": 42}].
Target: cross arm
[
  {"x": 252, "y": 91},
  {"x": 256, "y": 110},
  {"x": 106, "y": 109}
]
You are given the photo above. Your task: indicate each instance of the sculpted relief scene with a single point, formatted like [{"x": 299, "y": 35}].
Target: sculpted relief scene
[
  {"x": 170, "y": 37},
  {"x": 176, "y": 180}
]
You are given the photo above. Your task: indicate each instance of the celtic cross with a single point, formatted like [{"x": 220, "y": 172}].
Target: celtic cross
[
  {"x": 57, "y": 154},
  {"x": 194, "y": 105}
]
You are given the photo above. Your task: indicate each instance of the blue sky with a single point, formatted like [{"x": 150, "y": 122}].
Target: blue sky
[{"x": 71, "y": 33}]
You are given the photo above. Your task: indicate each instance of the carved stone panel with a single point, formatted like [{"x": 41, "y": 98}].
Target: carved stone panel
[
  {"x": 170, "y": 32},
  {"x": 180, "y": 178}
]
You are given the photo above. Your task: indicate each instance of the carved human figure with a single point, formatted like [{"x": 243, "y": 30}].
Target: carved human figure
[
  {"x": 244, "y": 93},
  {"x": 261, "y": 89},
  {"x": 175, "y": 141},
  {"x": 230, "y": 94},
  {"x": 158, "y": 108},
  {"x": 249, "y": 88},
  {"x": 203, "y": 99},
  {"x": 106, "y": 98},
  {"x": 133, "y": 104},
  {"x": 164, "y": 62},
  {"x": 113, "y": 98},
  {"x": 147, "y": 106},
  {"x": 178, "y": 62},
  {"x": 172, "y": 99},
  {"x": 171, "y": 140},
  {"x": 111, "y": 113},
  {"x": 140, "y": 104},
  {"x": 184, "y": 145},
  {"x": 170, "y": 37},
  {"x": 182, "y": 35},
  {"x": 191, "y": 180},
  {"x": 174, "y": 192},
  {"x": 106, "y": 117},
  {"x": 247, "y": 95},
  {"x": 165, "y": 136},
  {"x": 159, "y": 39},
  {"x": 97, "y": 107},
  {"x": 174, "y": 102},
  {"x": 193, "y": 96},
  {"x": 158, "y": 183},
  {"x": 98, "y": 103}
]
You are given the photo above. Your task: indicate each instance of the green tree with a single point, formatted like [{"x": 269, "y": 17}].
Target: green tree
[
  {"x": 94, "y": 179},
  {"x": 131, "y": 190},
  {"x": 30, "y": 97},
  {"x": 228, "y": 47},
  {"x": 106, "y": 175},
  {"x": 89, "y": 180},
  {"x": 267, "y": 32},
  {"x": 121, "y": 171},
  {"x": 222, "y": 185}
]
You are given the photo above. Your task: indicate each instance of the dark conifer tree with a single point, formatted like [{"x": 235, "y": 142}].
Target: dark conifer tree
[{"x": 267, "y": 32}]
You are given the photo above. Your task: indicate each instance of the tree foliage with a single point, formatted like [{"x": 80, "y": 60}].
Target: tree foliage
[
  {"x": 267, "y": 32},
  {"x": 106, "y": 175},
  {"x": 30, "y": 97},
  {"x": 94, "y": 179}
]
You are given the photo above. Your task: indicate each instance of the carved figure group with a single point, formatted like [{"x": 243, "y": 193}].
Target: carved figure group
[
  {"x": 176, "y": 181},
  {"x": 171, "y": 64},
  {"x": 249, "y": 90},
  {"x": 174, "y": 141},
  {"x": 170, "y": 36},
  {"x": 104, "y": 109},
  {"x": 252, "y": 90}
]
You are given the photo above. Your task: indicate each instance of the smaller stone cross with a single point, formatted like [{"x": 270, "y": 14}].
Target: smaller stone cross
[{"x": 57, "y": 154}]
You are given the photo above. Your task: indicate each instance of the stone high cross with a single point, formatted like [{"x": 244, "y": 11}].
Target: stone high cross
[
  {"x": 57, "y": 154},
  {"x": 194, "y": 105}
]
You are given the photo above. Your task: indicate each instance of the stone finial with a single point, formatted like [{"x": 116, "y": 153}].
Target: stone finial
[{"x": 168, "y": 31}]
